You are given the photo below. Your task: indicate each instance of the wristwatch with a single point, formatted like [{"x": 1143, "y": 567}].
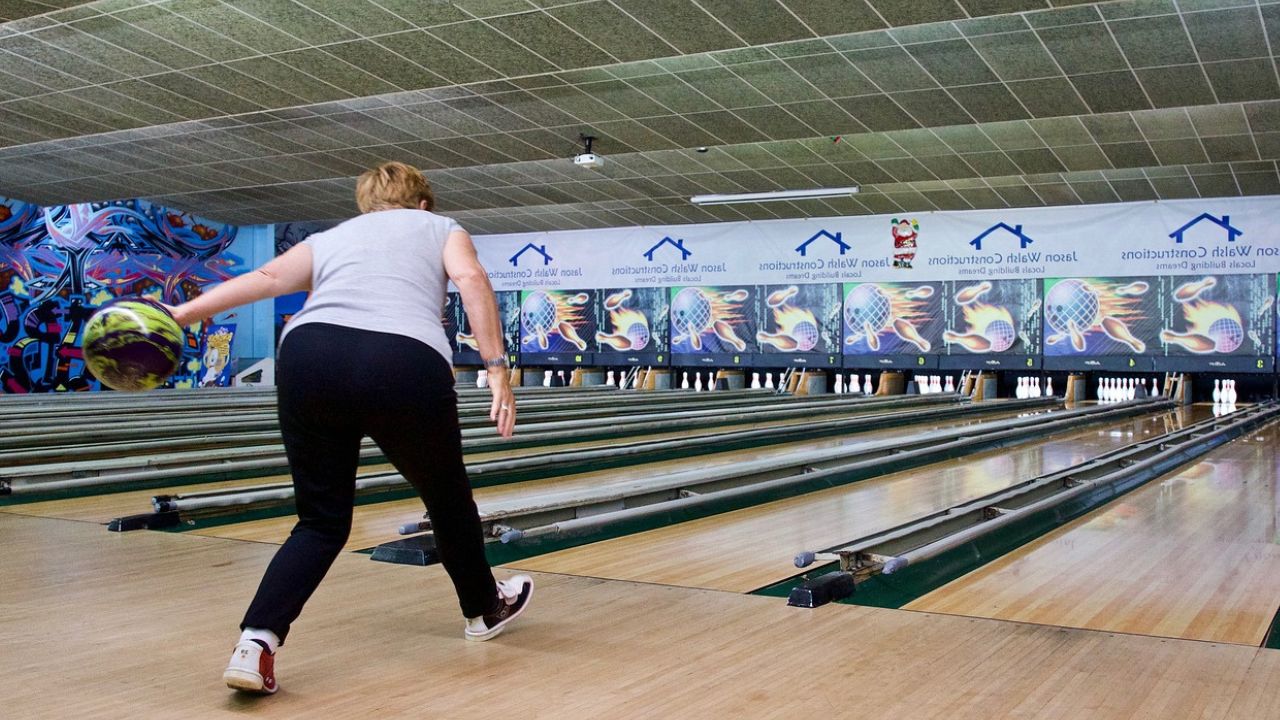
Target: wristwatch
[{"x": 499, "y": 362}]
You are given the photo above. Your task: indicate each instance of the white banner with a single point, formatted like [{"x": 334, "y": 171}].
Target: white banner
[{"x": 1181, "y": 237}]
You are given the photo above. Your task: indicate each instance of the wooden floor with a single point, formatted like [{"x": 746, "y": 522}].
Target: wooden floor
[
  {"x": 377, "y": 523},
  {"x": 752, "y": 548},
  {"x": 1193, "y": 555},
  {"x": 140, "y": 625}
]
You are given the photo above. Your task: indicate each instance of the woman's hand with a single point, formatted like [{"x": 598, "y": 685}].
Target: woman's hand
[
  {"x": 179, "y": 314},
  {"x": 503, "y": 410}
]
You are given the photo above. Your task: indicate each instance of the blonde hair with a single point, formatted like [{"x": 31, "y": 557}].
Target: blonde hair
[{"x": 393, "y": 185}]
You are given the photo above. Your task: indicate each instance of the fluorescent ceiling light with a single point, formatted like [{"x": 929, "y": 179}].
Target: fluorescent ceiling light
[{"x": 774, "y": 196}]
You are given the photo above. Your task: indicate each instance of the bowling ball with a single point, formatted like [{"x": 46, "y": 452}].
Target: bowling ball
[
  {"x": 638, "y": 334},
  {"x": 866, "y": 303},
  {"x": 538, "y": 312},
  {"x": 806, "y": 336},
  {"x": 1227, "y": 334},
  {"x": 1069, "y": 300},
  {"x": 690, "y": 306},
  {"x": 1001, "y": 334},
  {"x": 132, "y": 344}
]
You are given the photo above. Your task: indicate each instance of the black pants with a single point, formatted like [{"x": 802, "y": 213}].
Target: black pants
[{"x": 335, "y": 385}]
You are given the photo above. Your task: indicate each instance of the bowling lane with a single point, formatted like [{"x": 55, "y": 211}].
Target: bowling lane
[
  {"x": 103, "y": 508},
  {"x": 748, "y": 549},
  {"x": 1192, "y": 555},
  {"x": 376, "y": 523}
]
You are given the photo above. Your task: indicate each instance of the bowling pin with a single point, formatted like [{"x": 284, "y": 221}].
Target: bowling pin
[
  {"x": 1217, "y": 391},
  {"x": 768, "y": 381},
  {"x": 1048, "y": 387},
  {"x": 1020, "y": 391},
  {"x": 1231, "y": 392},
  {"x": 546, "y": 378},
  {"x": 562, "y": 380},
  {"x": 839, "y": 386},
  {"x": 755, "y": 381},
  {"x": 866, "y": 384},
  {"x": 1155, "y": 389},
  {"x": 1101, "y": 390},
  {"x": 697, "y": 382},
  {"x": 856, "y": 387},
  {"x": 684, "y": 380},
  {"x": 482, "y": 379},
  {"x": 1133, "y": 388},
  {"x": 1039, "y": 392},
  {"x": 610, "y": 379},
  {"x": 950, "y": 386}
]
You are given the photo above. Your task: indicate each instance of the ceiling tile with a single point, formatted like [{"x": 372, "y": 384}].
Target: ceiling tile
[
  {"x": 917, "y": 11},
  {"x": 757, "y": 21},
  {"x": 877, "y": 112},
  {"x": 615, "y": 31},
  {"x": 1154, "y": 41},
  {"x": 892, "y": 69},
  {"x": 430, "y": 52},
  {"x": 551, "y": 39},
  {"x": 366, "y": 17},
  {"x": 1164, "y": 124},
  {"x": 1111, "y": 92},
  {"x": 1232, "y": 34},
  {"x": 837, "y": 16},
  {"x": 1083, "y": 48},
  {"x": 486, "y": 45},
  {"x": 1176, "y": 86},
  {"x": 952, "y": 62},
  {"x": 1242, "y": 80},
  {"x": 989, "y": 103},
  {"x": 931, "y": 108},
  {"x": 681, "y": 24}
]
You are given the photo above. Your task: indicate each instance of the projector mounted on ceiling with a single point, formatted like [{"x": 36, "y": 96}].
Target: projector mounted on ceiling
[{"x": 588, "y": 159}]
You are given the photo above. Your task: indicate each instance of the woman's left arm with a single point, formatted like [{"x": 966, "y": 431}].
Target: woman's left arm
[{"x": 288, "y": 273}]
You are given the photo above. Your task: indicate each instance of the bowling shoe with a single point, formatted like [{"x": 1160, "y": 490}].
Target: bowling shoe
[
  {"x": 252, "y": 669},
  {"x": 513, "y": 597}
]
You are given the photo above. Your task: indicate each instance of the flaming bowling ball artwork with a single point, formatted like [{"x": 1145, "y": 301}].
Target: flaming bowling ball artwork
[
  {"x": 132, "y": 344},
  {"x": 1100, "y": 316},
  {"x": 633, "y": 320},
  {"x": 1219, "y": 315},
  {"x": 457, "y": 325},
  {"x": 893, "y": 318},
  {"x": 800, "y": 319},
  {"x": 556, "y": 320},
  {"x": 993, "y": 317},
  {"x": 713, "y": 319}
]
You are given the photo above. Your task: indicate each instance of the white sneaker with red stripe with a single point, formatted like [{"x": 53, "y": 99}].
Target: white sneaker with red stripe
[
  {"x": 252, "y": 669},
  {"x": 513, "y": 598}
]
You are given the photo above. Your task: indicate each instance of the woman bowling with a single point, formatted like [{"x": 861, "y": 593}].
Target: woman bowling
[{"x": 367, "y": 355}]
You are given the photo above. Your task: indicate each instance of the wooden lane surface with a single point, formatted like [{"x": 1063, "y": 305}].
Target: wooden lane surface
[
  {"x": 1193, "y": 555},
  {"x": 102, "y": 508},
  {"x": 377, "y": 523},
  {"x": 140, "y": 625},
  {"x": 748, "y": 549}
]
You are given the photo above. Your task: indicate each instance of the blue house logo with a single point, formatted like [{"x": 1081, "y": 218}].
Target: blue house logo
[
  {"x": 1016, "y": 231},
  {"x": 803, "y": 248},
  {"x": 1224, "y": 222},
  {"x": 677, "y": 244},
  {"x": 541, "y": 250}
]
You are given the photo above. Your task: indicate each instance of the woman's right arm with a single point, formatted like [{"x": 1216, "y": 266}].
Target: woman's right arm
[
  {"x": 463, "y": 267},
  {"x": 290, "y": 272}
]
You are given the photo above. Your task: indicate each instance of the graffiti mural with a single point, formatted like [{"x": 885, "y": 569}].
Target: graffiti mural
[{"x": 60, "y": 263}]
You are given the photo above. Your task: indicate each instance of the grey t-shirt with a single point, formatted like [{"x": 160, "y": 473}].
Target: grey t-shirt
[{"x": 381, "y": 271}]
